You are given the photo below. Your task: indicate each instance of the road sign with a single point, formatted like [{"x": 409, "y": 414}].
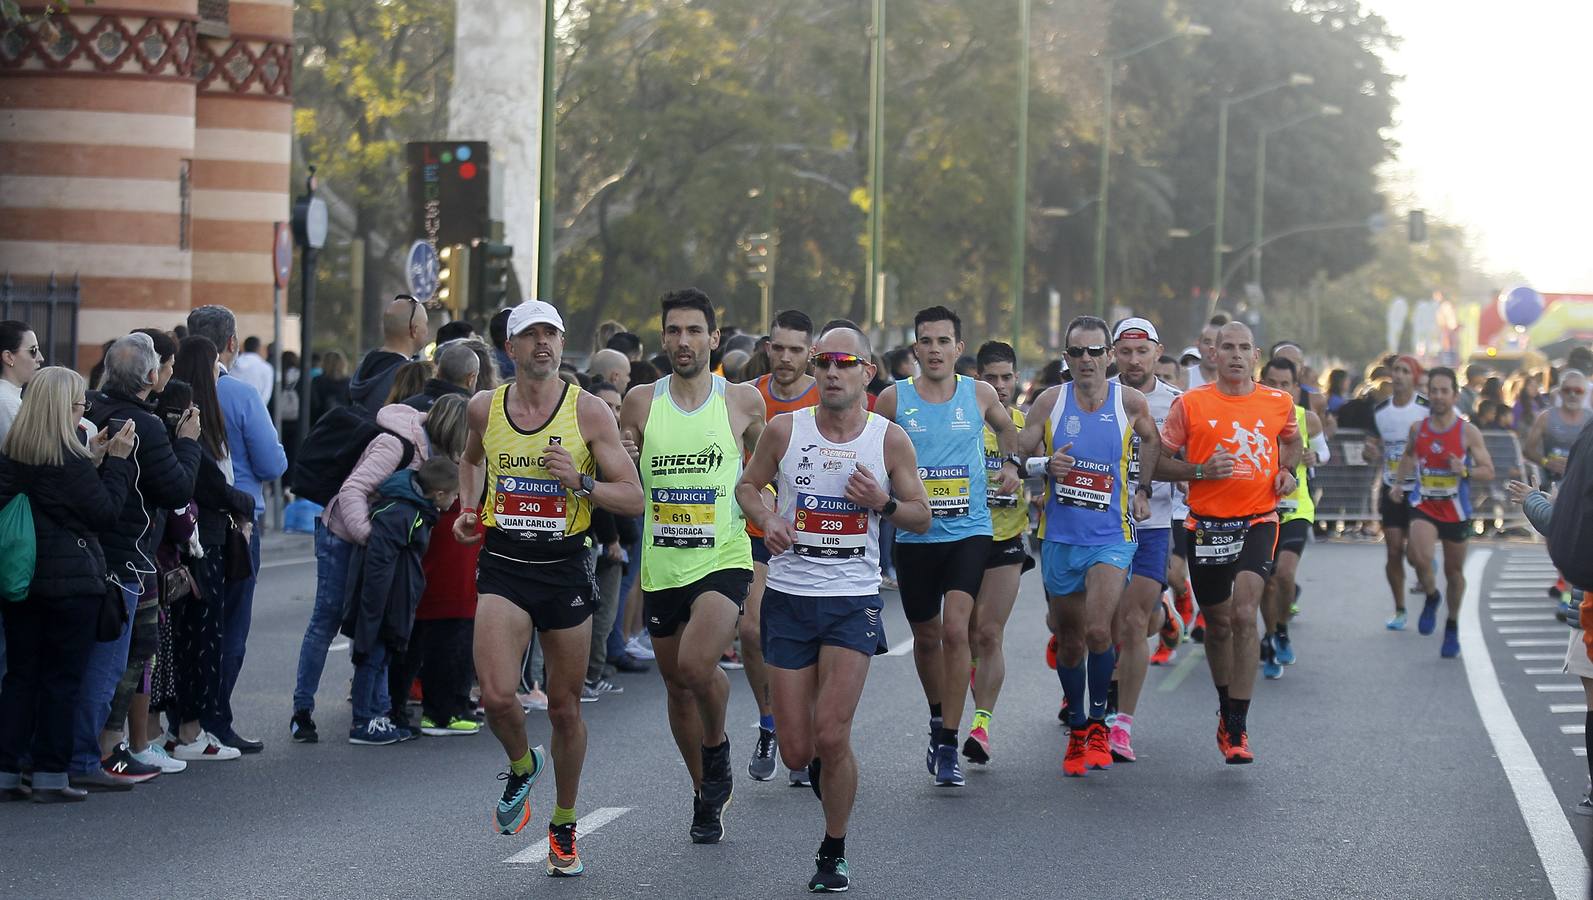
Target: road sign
[
  {"x": 421, "y": 269},
  {"x": 283, "y": 255}
]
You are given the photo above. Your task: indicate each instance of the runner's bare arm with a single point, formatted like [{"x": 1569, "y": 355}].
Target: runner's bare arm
[
  {"x": 1407, "y": 460},
  {"x": 1032, "y": 436},
  {"x": 912, "y": 502},
  {"x": 748, "y": 404},
  {"x": 1150, "y": 440},
  {"x": 1291, "y": 447},
  {"x": 471, "y": 470},
  {"x": 1000, "y": 422},
  {"x": 885, "y": 403},
  {"x": 760, "y": 472},
  {"x": 1481, "y": 461},
  {"x": 620, "y": 491},
  {"x": 634, "y": 408},
  {"x": 1532, "y": 447}
]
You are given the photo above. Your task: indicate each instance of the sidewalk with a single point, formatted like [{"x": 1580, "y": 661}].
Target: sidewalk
[{"x": 277, "y": 546}]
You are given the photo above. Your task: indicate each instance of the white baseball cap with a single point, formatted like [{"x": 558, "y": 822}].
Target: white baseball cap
[
  {"x": 1135, "y": 327},
  {"x": 1188, "y": 352},
  {"x": 533, "y": 312}
]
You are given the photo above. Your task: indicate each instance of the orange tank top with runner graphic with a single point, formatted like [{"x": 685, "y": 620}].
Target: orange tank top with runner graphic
[
  {"x": 1251, "y": 428},
  {"x": 773, "y": 406}
]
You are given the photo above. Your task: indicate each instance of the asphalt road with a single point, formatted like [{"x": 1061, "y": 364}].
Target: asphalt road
[{"x": 1375, "y": 777}]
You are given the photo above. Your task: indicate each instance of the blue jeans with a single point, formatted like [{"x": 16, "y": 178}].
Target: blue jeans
[
  {"x": 106, "y": 663},
  {"x": 370, "y": 686},
  {"x": 236, "y": 615},
  {"x": 331, "y": 577},
  {"x": 633, "y": 571}
]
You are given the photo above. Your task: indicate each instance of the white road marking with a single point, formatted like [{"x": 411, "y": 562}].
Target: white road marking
[
  {"x": 1573, "y": 729},
  {"x": 1578, "y": 751},
  {"x": 902, "y": 649},
  {"x": 1561, "y": 709},
  {"x": 1550, "y": 670},
  {"x": 1523, "y": 604},
  {"x": 1558, "y": 848},
  {"x": 1536, "y": 642},
  {"x": 1538, "y": 657},
  {"x": 1558, "y": 688},
  {"x": 1531, "y": 629},
  {"x": 1544, "y": 616},
  {"x": 584, "y": 826}
]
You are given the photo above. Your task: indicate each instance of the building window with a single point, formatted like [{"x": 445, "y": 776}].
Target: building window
[{"x": 184, "y": 205}]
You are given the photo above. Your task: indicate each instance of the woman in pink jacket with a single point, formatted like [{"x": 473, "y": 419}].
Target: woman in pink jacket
[{"x": 346, "y": 521}]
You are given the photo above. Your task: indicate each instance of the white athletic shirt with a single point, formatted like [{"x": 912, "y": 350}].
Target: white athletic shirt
[
  {"x": 1194, "y": 377},
  {"x": 1160, "y": 399},
  {"x": 1393, "y": 427},
  {"x": 836, "y": 553}
]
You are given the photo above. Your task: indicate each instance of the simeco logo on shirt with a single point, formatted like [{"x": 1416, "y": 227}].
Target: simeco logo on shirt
[{"x": 702, "y": 462}]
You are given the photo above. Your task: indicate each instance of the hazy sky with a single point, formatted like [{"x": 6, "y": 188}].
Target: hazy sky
[{"x": 1495, "y": 128}]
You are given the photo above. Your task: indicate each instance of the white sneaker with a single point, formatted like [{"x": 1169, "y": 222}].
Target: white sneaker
[
  {"x": 156, "y": 755},
  {"x": 206, "y": 746},
  {"x": 637, "y": 649},
  {"x": 534, "y": 700}
]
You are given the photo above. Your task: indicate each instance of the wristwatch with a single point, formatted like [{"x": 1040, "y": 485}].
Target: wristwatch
[
  {"x": 886, "y": 511},
  {"x": 588, "y": 484},
  {"x": 1145, "y": 489},
  {"x": 1016, "y": 461}
]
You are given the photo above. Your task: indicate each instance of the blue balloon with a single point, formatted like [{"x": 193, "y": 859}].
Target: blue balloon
[{"x": 1521, "y": 306}]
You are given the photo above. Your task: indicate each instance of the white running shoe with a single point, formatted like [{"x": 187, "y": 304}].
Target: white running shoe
[
  {"x": 639, "y": 650},
  {"x": 206, "y": 746},
  {"x": 156, "y": 755}
]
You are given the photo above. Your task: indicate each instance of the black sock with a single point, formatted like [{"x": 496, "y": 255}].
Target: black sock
[
  {"x": 1238, "y": 712},
  {"x": 934, "y": 711},
  {"x": 1111, "y": 698},
  {"x": 1282, "y": 630},
  {"x": 1222, "y": 698},
  {"x": 1451, "y": 625},
  {"x": 833, "y": 847},
  {"x": 948, "y": 737}
]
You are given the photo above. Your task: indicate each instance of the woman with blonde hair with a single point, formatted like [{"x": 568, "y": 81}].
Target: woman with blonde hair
[{"x": 72, "y": 489}]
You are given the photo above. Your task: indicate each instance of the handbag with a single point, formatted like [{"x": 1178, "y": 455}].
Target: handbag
[
  {"x": 113, "y": 613},
  {"x": 176, "y": 585},
  {"x": 239, "y": 565}
]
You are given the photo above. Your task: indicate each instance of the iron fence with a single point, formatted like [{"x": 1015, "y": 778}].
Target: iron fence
[{"x": 50, "y": 308}]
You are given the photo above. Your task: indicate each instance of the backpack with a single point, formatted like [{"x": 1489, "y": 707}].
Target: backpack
[
  {"x": 333, "y": 448},
  {"x": 1571, "y": 527},
  {"x": 19, "y": 548}
]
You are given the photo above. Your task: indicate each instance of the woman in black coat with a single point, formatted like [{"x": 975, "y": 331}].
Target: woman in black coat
[
  {"x": 197, "y": 622},
  {"x": 74, "y": 491}
]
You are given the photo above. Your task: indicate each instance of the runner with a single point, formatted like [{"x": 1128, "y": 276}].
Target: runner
[
  {"x": 1297, "y": 513},
  {"x": 1137, "y": 347},
  {"x": 691, "y": 428},
  {"x": 1245, "y": 440},
  {"x": 1205, "y": 371},
  {"x": 534, "y": 445},
  {"x": 998, "y": 590},
  {"x": 788, "y": 387},
  {"x": 1085, "y": 427},
  {"x": 1445, "y": 454},
  {"x": 1394, "y": 418},
  {"x": 840, "y": 471},
  {"x": 940, "y": 410}
]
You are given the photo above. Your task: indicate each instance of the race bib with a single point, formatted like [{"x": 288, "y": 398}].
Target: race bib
[
  {"x": 683, "y": 517},
  {"x": 1439, "y": 485},
  {"x": 947, "y": 487},
  {"x": 1288, "y": 507},
  {"x": 993, "y": 466},
  {"x": 1391, "y": 465},
  {"x": 1219, "y": 542},
  {"x": 530, "y": 508},
  {"x": 829, "y": 527},
  {"x": 1086, "y": 488}
]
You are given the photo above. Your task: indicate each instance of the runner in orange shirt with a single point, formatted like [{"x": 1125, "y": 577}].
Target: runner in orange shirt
[{"x": 1245, "y": 442}]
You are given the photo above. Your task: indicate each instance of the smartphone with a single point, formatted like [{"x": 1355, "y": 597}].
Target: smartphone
[{"x": 174, "y": 401}]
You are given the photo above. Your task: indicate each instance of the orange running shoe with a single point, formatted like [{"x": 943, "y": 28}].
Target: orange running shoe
[
  {"x": 1050, "y": 653},
  {"x": 1184, "y": 602},
  {"x": 1161, "y": 656},
  {"x": 1222, "y": 734},
  {"x": 563, "y": 859},
  {"x": 1238, "y": 753},
  {"x": 1097, "y": 750},
  {"x": 1076, "y": 761}
]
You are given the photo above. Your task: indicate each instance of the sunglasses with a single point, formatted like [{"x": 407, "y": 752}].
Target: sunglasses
[
  {"x": 85, "y": 404},
  {"x": 1096, "y": 350},
  {"x": 843, "y": 361}
]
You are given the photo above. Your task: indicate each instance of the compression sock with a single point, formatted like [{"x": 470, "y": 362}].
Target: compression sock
[
  {"x": 981, "y": 719},
  {"x": 1099, "y": 667},
  {"x": 934, "y": 710},
  {"x": 833, "y": 847},
  {"x": 1238, "y": 714},
  {"x": 948, "y": 737},
  {"x": 562, "y": 816},
  {"x": 766, "y": 723},
  {"x": 525, "y": 765},
  {"x": 1111, "y": 697},
  {"x": 1073, "y": 680}
]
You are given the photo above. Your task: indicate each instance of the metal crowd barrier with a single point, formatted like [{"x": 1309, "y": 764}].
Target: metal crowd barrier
[{"x": 1346, "y": 486}]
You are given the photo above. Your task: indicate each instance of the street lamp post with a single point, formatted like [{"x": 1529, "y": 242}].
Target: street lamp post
[
  {"x": 309, "y": 232},
  {"x": 1020, "y": 217},
  {"x": 1109, "y": 72},
  {"x": 545, "y": 188},
  {"x": 874, "y": 290},
  {"x": 1256, "y": 230},
  {"x": 1295, "y": 80}
]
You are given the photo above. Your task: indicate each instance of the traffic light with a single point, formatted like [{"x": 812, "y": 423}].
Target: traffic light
[
  {"x": 453, "y": 277},
  {"x": 757, "y": 254},
  {"x": 493, "y": 263},
  {"x": 1418, "y": 226}
]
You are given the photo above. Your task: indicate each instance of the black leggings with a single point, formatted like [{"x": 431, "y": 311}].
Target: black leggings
[{"x": 197, "y": 624}]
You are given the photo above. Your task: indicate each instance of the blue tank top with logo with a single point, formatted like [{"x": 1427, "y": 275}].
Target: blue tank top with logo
[
  {"x": 1089, "y": 506},
  {"x": 950, "y": 441}
]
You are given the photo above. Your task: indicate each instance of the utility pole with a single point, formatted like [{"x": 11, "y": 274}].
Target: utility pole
[
  {"x": 875, "y": 288},
  {"x": 1020, "y": 192},
  {"x": 545, "y": 191}
]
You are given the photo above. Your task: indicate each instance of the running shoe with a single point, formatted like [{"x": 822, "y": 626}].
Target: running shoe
[
  {"x": 1584, "y": 807},
  {"x": 1097, "y": 746},
  {"x": 1050, "y": 653},
  {"x": 731, "y": 661},
  {"x": 1451, "y": 647},
  {"x": 1428, "y": 620},
  {"x": 815, "y": 770},
  {"x": 831, "y": 876},
  {"x": 1162, "y": 656},
  {"x": 1222, "y": 734},
  {"x": 1294, "y": 605},
  {"x": 1076, "y": 760},
  {"x": 604, "y": 686},
  {"x": 205, "y": 746},
  {"x": 589, "y": 694},
  {"x": 977, "y": 747},
  {"x": 1397, "y": 623},
  {"x": 1185, "y": 604},
  {"x": 1120, "y": 741},
  {"x": 706, "y": 825},
  {"x": 563, "y": 859},
  {"x": 1062, "y": 712},
  {"x": 717, "y": 785},
  {"x": 1283, "y": 646},
  {"x": 929, "y": 755},
  {"x": 123, "y": 766},
  {"x": 454, "y": 726},
  {"x": 514, "y": 808},
  {"x": 799, "y": 777},
  {"x": 1172, "y": 630},
  {"x": 762, "y": 765},
  {"x": 1238, "y": 753},
  {"x": 1270, "y": 667},
  {"x": 1198, "y": 633},
  {"x": 533, "y": 699},
  {"x": 948, "y": 771},
  {"x": 156, "y": 755},
  {"x": 100, "y": 781},
  {"x": 375, "y": 733},
  {"x": 641, "y": 647},
  {"x": 302, "y": 728}
]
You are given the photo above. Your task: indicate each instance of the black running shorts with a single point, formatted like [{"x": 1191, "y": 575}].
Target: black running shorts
[
  {"x": 925, "y": 573},
  {"x": 556, "y": 595},
  {"x": 668, "y": 610}
]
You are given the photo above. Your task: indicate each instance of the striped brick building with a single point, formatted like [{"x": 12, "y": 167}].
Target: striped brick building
[{"x": 145, "y": 149}]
